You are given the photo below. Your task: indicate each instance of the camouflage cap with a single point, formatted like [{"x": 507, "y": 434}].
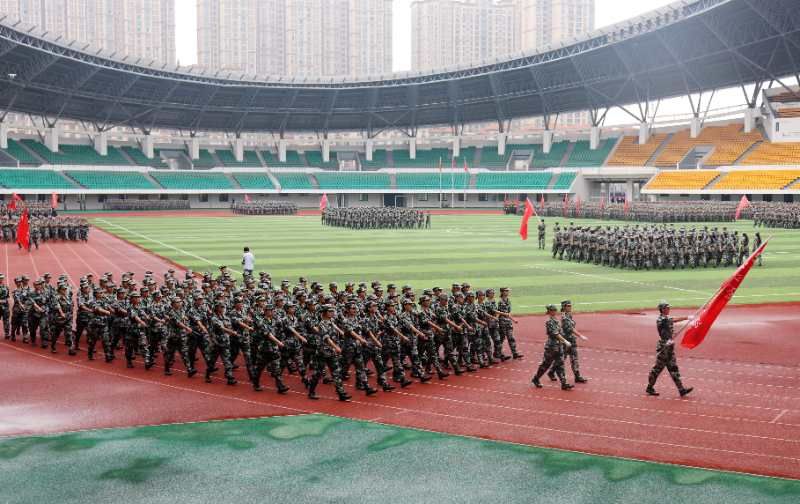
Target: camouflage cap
[
  {"x": 565, "y": 303},
  {"x": 551, "y": 307}
]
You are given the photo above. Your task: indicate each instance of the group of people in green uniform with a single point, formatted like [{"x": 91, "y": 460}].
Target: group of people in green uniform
[
  {"x": 264, "y": 208},
  {"x": 376, "y": 218},
  {"x": 148, "y": 204},
  {"x": 645, "y": 211},
  {"x": 44, "y": 229},
  {"x": 299, "y": 329},
  {"x": 655, "y": 246},
  {"x": 772, "y": 215}
]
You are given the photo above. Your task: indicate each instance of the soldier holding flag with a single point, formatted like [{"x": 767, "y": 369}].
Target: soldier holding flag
[{"x": 665, "y": 351}]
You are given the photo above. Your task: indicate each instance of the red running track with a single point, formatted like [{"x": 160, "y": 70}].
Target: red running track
[{"x": 743, "y": 416}]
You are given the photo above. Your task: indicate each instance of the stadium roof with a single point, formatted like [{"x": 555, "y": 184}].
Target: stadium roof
[{"x": 686, "y": 47}]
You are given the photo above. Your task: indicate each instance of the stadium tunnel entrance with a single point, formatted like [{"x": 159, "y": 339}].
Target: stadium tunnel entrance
[{"x": 394, "y": 200}]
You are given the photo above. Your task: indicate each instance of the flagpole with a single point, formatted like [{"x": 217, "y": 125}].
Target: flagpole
[{"x": 441, "y": 202}]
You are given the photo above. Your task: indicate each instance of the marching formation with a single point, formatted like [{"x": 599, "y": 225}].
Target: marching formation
[
  {"x": 643, "y": 211},
  {"x": 137, "y": 205},
  {"x": 376, "y": 218},
  {"x": 770, "y": 215},
  {"x": 264, "y": 208},
  {"x": 287, "y": 329},
  {"x": 43, "y": 229},
  {"x": 652, "y": 246}
]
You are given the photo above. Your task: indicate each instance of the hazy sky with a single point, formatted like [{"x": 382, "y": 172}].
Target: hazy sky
[{"x": 607, "y": 12}]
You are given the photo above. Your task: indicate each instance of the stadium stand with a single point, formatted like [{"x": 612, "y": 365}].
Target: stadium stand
[
  {"x": 111, "y": 180},
  {"x": 682, "y": 179},
  {"x": 140, "y": 159},
  {"x": 630, "y": 153},
  {"x": 352, "y": 181},
  {"x": 768, "y": 153},
  {"x": 379, "y": 160},
  {"x": 511, "y": 180},
  {"x": 425, "y": 158},
  {"x": 564, "y": 180},
  {"x": 294, "y": 181},
  {"x": 77, "y": 155},
  {"x": 785, "y": 97},
  {"x": 789, "y": 112},
  {"x": 492, "y": 160},
  {"x": 249, "y": 159},
  {"x": 253, "y": 180},
  {"x": 193, "y": 181},
  {"x": 431, "y": 181},
  {"x": 466, "y": 154},
  {"x": 292, "y": 160},
  {"x": 551, "y": 159},
  {"x": 583, "y": 156},
  {"x": 314, "y": 159},
  {"x": 18, "y": 152},
  {"x": 204, "y": 160},
  {"x": 755, "y": 180},
  {"x": 729, "y": 143},
  {"x": 33, "y": 179}
]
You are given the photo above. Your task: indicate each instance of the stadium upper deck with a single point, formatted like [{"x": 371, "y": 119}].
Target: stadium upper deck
[{"x": 685, "y": 47}]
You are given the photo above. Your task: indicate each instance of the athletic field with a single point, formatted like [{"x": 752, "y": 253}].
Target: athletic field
[{"x": 484, "y": 250}]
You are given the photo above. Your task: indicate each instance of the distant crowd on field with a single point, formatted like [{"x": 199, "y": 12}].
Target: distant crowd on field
[
  {"x": 376, "y": 218},
  {"x": 35, "y": 209},
  {"x": 136, "y": 205},
  {"x": 644, "y": 211},
  {"x": 776, "y": 215},
  {"x": 264, "y": 208},
  {"x": 44, "y": 229}
]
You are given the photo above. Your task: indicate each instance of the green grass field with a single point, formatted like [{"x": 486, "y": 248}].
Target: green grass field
[
  {"x": 484, "y": 250},
  {"x": 317, "y": 458}
]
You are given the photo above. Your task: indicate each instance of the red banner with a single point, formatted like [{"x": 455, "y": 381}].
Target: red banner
[
  {"x": 14, "y": 199},
  {"x": 541, "y": 202},
  {"x": 24, "y": 231},
  {"x": 247, "y": 198},
  {"x": 323, "y": 202},
  {"x": 54, "y": 200},
  {"x": 529, "y": 212},
  {"x": 743, "y": 203},
  {"x": 626, "y": 207},
  {"x": 565, "y": 205},
  {"x": 705, "y": 316}
]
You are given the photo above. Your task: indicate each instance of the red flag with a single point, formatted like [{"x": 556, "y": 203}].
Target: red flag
[
  {"x": 564, "y": 205},
  {"x": 541, "y": 202},
  {"x": 529, "y": 212},
  {"x": 247, "y": 198},
  {"x": 24, "y": 231},
  {"x": 323, "y": 202},
  {"x": 743, "y": 203},
  {"x": 705, "y": 316},
  {"x": 577, "y": 206},
  {"x": 466, "y": 170},
  {"x": 54, "y": 200},
  {"x": 626, "y": 207},
  {"x": 602, "y": 204},
  {"x": 14, "y": 198}
]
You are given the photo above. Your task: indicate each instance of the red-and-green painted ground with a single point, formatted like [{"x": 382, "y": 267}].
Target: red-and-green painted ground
[{"x": 743, "y": 417}]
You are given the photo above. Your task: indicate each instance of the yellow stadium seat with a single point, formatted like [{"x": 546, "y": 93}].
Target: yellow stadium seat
[
  {"x": 754, "y": 180},
  {"x": 728, "y": 142},
  {"x": 687, "y": 179},
  {"x": 774, "y": 154},
  {"x": 630, "y": 153}
]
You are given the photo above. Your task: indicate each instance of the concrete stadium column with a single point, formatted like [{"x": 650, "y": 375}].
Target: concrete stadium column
[
  {"x": 149, "y": 146},
  {"x": 326, "y": 151},
  {"x": 501, "y": 144},
  {"x": 547, "y": 141},
  {"x": 51, "y": 138},
  {"x": 101, "y": 143},
  {"x": 750, "y": 115},
  {"x": 282, "y": 150},
  {"x": 456, "y": 146},
  {"x": 594, "y": 138},
  {"x": 369, "y": 145},
  {"x": 644, "y": 133},
  {"x": 629, "y": 190},
  {"x": 238, "y": 149},
  {"x": 412, "y": 148},
  {"x": 3, "y": 136},
  {"x": 694, "y": 127},
  {"x": 194, "y": 148}
]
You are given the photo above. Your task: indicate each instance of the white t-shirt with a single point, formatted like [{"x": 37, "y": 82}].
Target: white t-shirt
[{"x": 249, "y": 261}]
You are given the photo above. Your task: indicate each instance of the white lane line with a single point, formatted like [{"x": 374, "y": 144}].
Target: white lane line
[
  {"x": 539, "y": 266},
  {"x": 783, "y": 412},
  {"x": 159, "y": 242}
]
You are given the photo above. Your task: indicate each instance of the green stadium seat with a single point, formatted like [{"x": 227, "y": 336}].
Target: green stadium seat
[
  {"x": 379, "y": 160},
  {"x": 140, "y": 159},
  {"x": 552, "y": 159},
  {"x": 353, "y": 181},
  {"x": 432, "y": 181},
  {"x": 190, "y": 180},
  {"x": 292, "y": 160},
  {"x": 249, "y": 159},
  {"x": 253, "y": 180},
  {"x": 513, "y": 180},
  {"x": 492, "y": 160},
  {"x": 204, "y": 160},
  {"x": 33, "y": 179},
  {"x": 564, "y": 180},
  {"x": 111, "y": 180},
  {"x": 294, "y": 180},
  {"x": 18, "y": 152},
  {"x": 314, "y": 159},
  {"x": 468, "y": 154},
  {"x": 425, "y": 158},
  {"x": 77, "y": 155},
  {"x": 583, "y": 156}
]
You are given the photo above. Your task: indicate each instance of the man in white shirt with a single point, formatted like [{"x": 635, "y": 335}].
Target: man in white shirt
[{"x": 248, "y": 261}]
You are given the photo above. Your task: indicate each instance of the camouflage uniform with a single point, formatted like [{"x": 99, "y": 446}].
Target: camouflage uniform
[
  {"x": 553, "y": 352},
  {"x": 665, "y": 356},
  {"x": 220, "y": 346}
]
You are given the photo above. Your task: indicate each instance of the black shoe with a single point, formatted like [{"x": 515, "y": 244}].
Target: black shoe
[
  {"x": 305, "y": 382},
  {"x": 443, "y": 375},
  {"x": 257, "y": 387},
  {"x": 72, "y": 352},
  {"x": 129, "y": 364},
  {"x": 359, "y": 386},
  {"x": 327, "y": 381},
  {"x": 208, "y": 379},
  {"x": 552, "y": 377},
  {"x": 405, "y": 383},
  {"x": 90, "y": 356},
  {"x": 387, "y": 388},
  {"x": 458, "y": 371},
  {"x": 424, "y": 378},
  {"x": 685, "y": 391},
  {"x": 313, "y": 396},
  {"x": 651, "y": 391},
  {"x": 471, "y": 368},
  {"x": 567, "y": 386},
  {"x": 580, "y": 379},
  {"x": 167, "y": 372},
  {"x": 53, "y": 350},
  {"x": 371, "y": 391},
  {"x": 504, "y": 357},
  {"x": 191, "y": 372},
  {"x": 232, "y": 381},
  {"x": 344, "y": 397},
  {"x": 148, "y": 365},
  {"x": 283, "y": 389},
  {"x": 518, "y": 356},
  {"x": 536, "y": 382}
]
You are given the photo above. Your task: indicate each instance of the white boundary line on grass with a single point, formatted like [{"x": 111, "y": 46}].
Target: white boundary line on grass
[{"x": 159, "y": 242}]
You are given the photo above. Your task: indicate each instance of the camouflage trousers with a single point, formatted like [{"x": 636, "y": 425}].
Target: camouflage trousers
[
  {"x": 475, "y": 341},
  {"x": 373, "y": 354},
  {"x": 6, "y": 316},
  {"x": 410, "y": 349},
  {"x": 461, "y": 347},
  {"x": 445, "y": 340},
  {"x": 243, "y": 344},
  {"x": 665, "y": 358},
  {"x": 267, "y": 357},
  {"x": 37, "y": 323},
  {"x": 553, "y": 358},
  {"x": 331, "y": 362},
  {"x": 217, "y": 352},
  {"x": 177, "y": 343},
  {"x": 570, "y": 354},
  {"x": 507, "y": 334},
  {"x": 199, "y": 342},
  {"x": 99, "y": 332},
  {"x": 352, "y": 356},
  {"x": 81, "y": 326},
  {"x": 19, "y": 325},
  {"x": 392, "y": 354},
  {"x": 136, "y": 340},
  {"x": 59, "y": 327},
  {"x": 429, "y": 353}
]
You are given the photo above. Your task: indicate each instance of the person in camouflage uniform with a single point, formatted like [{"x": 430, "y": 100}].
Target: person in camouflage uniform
[
  {"x": 19, "y": 313},
  {"x": 220, "y": 343},
  {"x": 507, "y": 322},
  {"x": 444, "y": 338},
  {"x": 98, "y": 330},
  {"x": 242, "y": 341},
  {"x": 5, "y": 312},
  {"x": 268, "y": 353},
  {"x": 178, "y": 332},
  {"x": 553, "y": 351},
  {"x": 328, "y": 355},
  {"x": 410, "y": 345},
  {"x": 85, "y": 314},
  {"x": 542, "y": 229},
  {"x": 293, "y": 341},
  {"x": 61, "y": 308},
  {"x": 665, "y": 352},
  {"x": 428, "y": 348},
  {"x": 136, "y": 334},
  {"x": 570, "y": 334},
  {"x": 38, "y": 314},
  {"x": 352, "y": 345}
]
